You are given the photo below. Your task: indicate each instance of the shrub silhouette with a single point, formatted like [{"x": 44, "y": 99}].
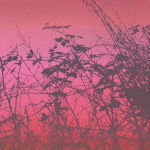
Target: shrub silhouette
[{"x": 70, "y": 99}]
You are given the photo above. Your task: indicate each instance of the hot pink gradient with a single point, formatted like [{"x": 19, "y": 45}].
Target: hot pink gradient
[{"x": 31, "y": 15}]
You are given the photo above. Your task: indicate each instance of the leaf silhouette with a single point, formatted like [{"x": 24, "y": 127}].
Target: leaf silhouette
[
  {"x": 93, "y": 56},
  {"x": 103, "y": 108},
  {"x": 80, "y": 37},
  {"x": 59, "y": 93},
  {"x": 80, "y": 48},
  {"x": 15, "y": 57},
  {"x": 31, "y": 52},
  {"x": 51, "y": 53},
  {"x": 121, "y": 57},
  {"x": 58, "y": 39},
  {"x": 30, "y": 55},
  {"x": 70, "y": 36},
  {"x": 71, "y": 74},
  {"x": 9, "y": 59},
  {"x": 59, "y": 53},
  {"x": 44, "y": 117},
  {"x": 35, "y": 62},
  {"x": 114, "y": 103},
  {"x": 47, "y": 72},
  {"x": 46, "y": 86},
  {"x": 64, "y": 42},
  {"x": 18, "y": 63}
]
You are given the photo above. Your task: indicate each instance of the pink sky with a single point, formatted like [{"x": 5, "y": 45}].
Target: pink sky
[{"x": 30, "y": 15}]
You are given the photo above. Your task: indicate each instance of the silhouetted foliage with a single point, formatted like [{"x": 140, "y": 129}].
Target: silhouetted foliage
[{"x": 71, "y": 99}]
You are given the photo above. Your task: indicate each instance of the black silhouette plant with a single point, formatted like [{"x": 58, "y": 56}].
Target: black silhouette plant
[
  {"x": 129, "y": 70},
  {"x": 71, "y": 99}
]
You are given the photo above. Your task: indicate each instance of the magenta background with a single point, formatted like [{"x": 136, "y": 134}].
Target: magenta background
[{"x": 30, "y": 16}]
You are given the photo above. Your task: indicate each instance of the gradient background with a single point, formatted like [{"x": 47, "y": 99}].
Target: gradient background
[{"x": 30, "y": 16}]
